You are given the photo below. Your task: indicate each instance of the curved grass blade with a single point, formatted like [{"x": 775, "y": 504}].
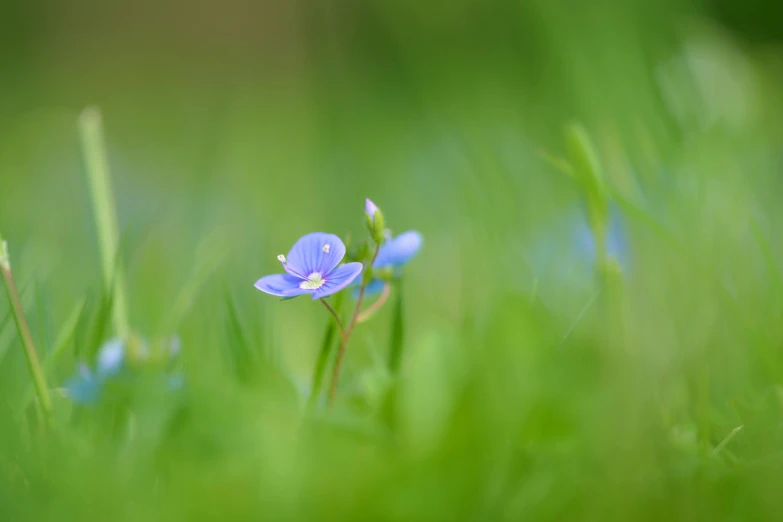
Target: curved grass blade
[{"x": 33, "y": 363}]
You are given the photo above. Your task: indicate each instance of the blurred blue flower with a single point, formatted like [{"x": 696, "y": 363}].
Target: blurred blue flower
[
  {"x": 116, "y": 361},
  {"x": 616, "y": 243},
  {"x": 399, "y": 250},
  {"x": 111, "y": 358},
  {"x": 84, "y": 387},
  {"x": 312, "y": 268},
  {"x": 567, "y": 252},
  {"x": 392, "y": 256}
]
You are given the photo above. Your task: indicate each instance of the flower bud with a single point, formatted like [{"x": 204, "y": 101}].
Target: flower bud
[
  {"x": 375, "y": 221},
  {"x": 370, "y": 208}
]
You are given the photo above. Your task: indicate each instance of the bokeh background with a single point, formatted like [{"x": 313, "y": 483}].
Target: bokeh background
[{"x": 235, "y": 127}]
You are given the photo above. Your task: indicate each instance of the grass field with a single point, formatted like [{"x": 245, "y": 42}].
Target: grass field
[{"x": 591, "y": 330}]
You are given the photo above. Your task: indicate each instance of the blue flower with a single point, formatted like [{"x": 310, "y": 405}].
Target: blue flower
[
  {"x": 84, "y": 387},
  {"x": 111, "y": 358},
  {"x": 392, "y": 255},
  {"x": 617, "y": 248},
  {"x": 398, "y": 251},
  {"x": 312, "y": 268},
  {"x": 115, "y": 361},
  {"x": 567, "y": 253}
]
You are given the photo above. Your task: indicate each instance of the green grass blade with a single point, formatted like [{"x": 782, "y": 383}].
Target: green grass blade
[
  {"x": 726, "y": 440},
  {"x": 65, "y": 336},
  {"x": 33, "y": 363},
  {"x": 324, "y": 356},
  {"x": 97, "y": 166},
  {"x": 397, "y": 335},
  {"x": 209, "y": 255},
  {"x": 388, "y": 411}
]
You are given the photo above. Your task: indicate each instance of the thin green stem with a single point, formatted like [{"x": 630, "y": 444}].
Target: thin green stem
[
  {"x": 346, "y": 333},
  {"x": 34, "y": 365},
  {"x": 334, "y": 314},
  {"x": 97, "y": 166},
  {"x": 326, "y": 351}
]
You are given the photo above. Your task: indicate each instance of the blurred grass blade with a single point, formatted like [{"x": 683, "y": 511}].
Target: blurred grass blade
[
  {"x": 97, "y": 326},
  {"x": 644, "y": 217},
  {"x": 209, "y": 255},
  {"x": 65, "y": 335},
  {"x": 43, "y": 337},
  {"x": 97, "y": 166},
  {"x": 726, "y": 440},
  {"x": 243, "y": 360},
  {"x": 388, "y": 410},
  {"x": 23, "y": 329},
  {"x": 559, "y": 164},
  {"x": 397, "y": 335},
  {"x": 585, "y": 162},
  {"x": 6, "y": 331},
  {"x": 324, "y": 355},
  {"x": 5, "y": 335},
  {"x": 578, "y": 318}
]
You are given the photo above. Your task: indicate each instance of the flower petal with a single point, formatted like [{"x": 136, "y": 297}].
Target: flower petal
[
  {"x": 338, "y": 279},
  {"x": 399, "y": 250},
  {"x": 111, "y": 357},
  {"x": 616, "y": 244},
  {"x": 282, "y": 285},
  {"x": 83, "y": 388},
  {"x": 316, "y": 252},
  {"x": 374, "y": 287},
  {"x": 370, "y": 208}
]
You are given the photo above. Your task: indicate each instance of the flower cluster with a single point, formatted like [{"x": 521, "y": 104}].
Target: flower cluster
[{"x": 313, "y": 266}]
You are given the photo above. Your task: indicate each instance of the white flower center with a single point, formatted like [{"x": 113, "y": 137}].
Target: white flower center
[
  {"x": 326, "y": 248},
  {"x": 313, "y": 282}
]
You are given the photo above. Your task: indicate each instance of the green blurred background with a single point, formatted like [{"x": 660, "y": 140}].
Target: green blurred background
[{"x": 235, "y": 127}]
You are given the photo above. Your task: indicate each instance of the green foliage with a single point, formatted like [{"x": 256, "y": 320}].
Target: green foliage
[{"x": 489, "y": 386}]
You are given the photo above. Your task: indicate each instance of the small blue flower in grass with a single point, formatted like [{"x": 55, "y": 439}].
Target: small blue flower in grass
[
  {"x": 84, "y": 387},
  {"x": 398, "y": 250},
  {"x": 312, "y": 268},
  {"x": 115, "y": 362},
  {"x": 565, "y": 255},
  {"x": 616, "y": 243},
  {"x": 392, "y": 255}
]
